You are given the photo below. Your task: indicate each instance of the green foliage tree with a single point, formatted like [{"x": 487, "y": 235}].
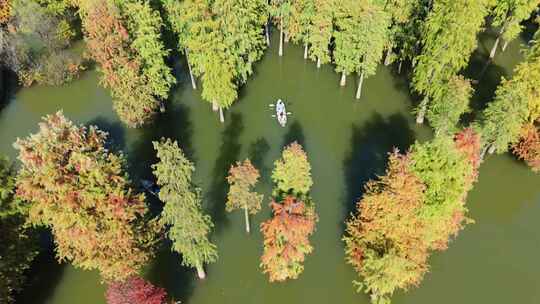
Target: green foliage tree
[
  {"x": 299, "y": 23},
  {"x": 188, "y": 226},
  {"x": 79, "y": 190},
  {"x": 321, "y": 30},
  {"x": 444, "y": 113},
  {"x": 446, "y": 172},
  {"x": 402, "y": 14},
  {"x": 242, "y": 178},
  {"x": 516, "y": 103},
  {"x": 19, "y": 246},
  {"x": 449, "y": 36},
  {"x": 224, "y": 39},
  {"x": 124, "y": 38},
  {"x": 384, "y": 240},
  {"x": 292, "y": 173},
  {"x": 361, "y": 36},
  {"x": 281, "y": 11},
  {"x": 508, "y": 15}
]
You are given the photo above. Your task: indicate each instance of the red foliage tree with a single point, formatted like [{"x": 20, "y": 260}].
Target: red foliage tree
[
  {"x": 468, "y": 142},
  {"x": 135, "y": 290},
  {"x": 286, "y": 239},
  {"x": 528, "y": 147}
]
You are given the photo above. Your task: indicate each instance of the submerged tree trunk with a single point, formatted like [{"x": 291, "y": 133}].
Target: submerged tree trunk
[
  {"x": 388, "y": 57},
  {"x": 281, "y": 38},
  {"x": 399, "y": 66},
  {"x": 221, "y": 117},
  {"x": 193, "y": 83},
  {"x": 214, "y": 106},
  {"x": 422, "y": 111},
  {"x": 200, "y": 271},
  {"x": 360, "y": 82},
  {"x": 505, "y": 45},
  {"x": 343, "y": 80},
  {"x": 491, "y": 149},
  {"x": 495, "y": 46},
  {"x": 318, "y": 62},
  {"x": 246, "y": 215},
  {"x": 267, "y": 33},
  {"x": 305, "y": 51}
]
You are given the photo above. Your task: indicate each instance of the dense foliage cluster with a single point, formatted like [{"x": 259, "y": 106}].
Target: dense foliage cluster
[
  {"x": 135, "y": 290},
  {"x": 189, "y": 227},
  {"x": 286, "y": 234},
  {"x": 528, "y": 146},
  {"x": 242, "y": 178},
  {"x": 79, "y": 190},
  {"x": 33, "y": 44},
  {"x": 516, "y": 103},
  {"x": 292, "y": 173},
  {"x": 384, "y": 241},
  {"x": 415, "y": 208},
  {"x": 286, "y": 239},
  {"x": 448, "y": 39},
  {"x": 18, "y": 244},
  {"x": 124, "y": 39}
]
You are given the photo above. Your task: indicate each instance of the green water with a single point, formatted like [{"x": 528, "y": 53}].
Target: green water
[{"x": 492, "y": 261}]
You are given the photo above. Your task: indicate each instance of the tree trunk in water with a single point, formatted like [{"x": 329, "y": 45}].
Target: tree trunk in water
[
  {"x": 221, "y": 117},
  {"x": 399, "y": 66},
  {"x": 495, "y": 46},
  {"x": 422, "y": 112},
  {"x": 491, "y": 149},
  {"x": 246, "y": 214},
  {"x": 388, "y": 57},
  {"x": 360, "y": 82},
  {"x": 343, "y": 80},
  {"x": 214, "y": 106},
  {"x": 305, "y": 51},
  {"x": 286, "y": 35},
  {"x": 505, "y": 45},
  {"x": 200, "y": 272},
  {"x": 281, "y": 38},
  {"x": 267, "y": 33},
  {"x": 193, "y": 83},
  {"x": 318, "y": 63}
]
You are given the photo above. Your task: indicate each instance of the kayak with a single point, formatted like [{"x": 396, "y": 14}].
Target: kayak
[{"x": 281, "y": 113}]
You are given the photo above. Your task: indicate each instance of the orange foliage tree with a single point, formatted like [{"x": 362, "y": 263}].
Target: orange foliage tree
[
  {"x": 79, "y": 190},
  {"x": 385, "y": 240},
  {"x": 528, "y": 146},
  {"x": 286, "y": 239},
  {"x": 5, "y": 11},
  {"x": 241, "y": 179}
]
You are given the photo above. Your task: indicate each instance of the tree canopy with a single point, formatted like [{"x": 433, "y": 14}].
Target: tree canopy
[
  {"x": 79, "y": 190},
  {"x": 189, "y": 227}
]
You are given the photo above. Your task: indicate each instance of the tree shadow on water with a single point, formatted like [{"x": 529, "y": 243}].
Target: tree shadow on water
[
  {"x": 8, "y": 86},
  {"x": 370, "y": 145},
  {"x": 295, "y": 133},
  {"x": 167, "y": 272},
  {"x": 43, "y": 276},
  {"x": 228, "y": 154},
  {"x": 116, "y": 133},
  {"x": 257, "y": 152}
]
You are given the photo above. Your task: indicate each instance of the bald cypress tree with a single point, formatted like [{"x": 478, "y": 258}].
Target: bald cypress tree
[
  {"x": 508, "y": 15},
  {"x": 123, "y": 37},
  {"x": 362, "y": 32},
  {"x": 516, "y": 103},
  {"x": 448, "y": 37},
  {"x": 189, "y": 227},
  {"x": 321, "y": 30}
]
